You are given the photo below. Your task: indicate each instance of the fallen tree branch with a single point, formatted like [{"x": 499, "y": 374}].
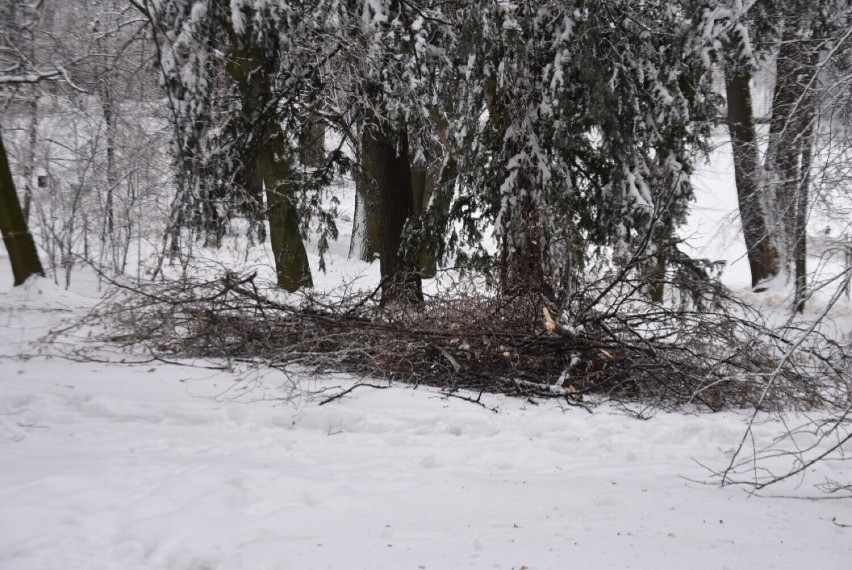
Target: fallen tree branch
[
  {"x": 630, "y": 349},
  {"x": 350, "y": 390}
]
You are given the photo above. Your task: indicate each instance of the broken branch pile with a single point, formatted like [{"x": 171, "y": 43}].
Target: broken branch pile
[{"x": 620, "y": 350}]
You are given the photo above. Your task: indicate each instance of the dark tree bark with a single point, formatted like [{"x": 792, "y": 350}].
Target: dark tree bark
[
  {"x": 431, "y": 196},
  {"x": 419, "y": 182},
  {"x": 656, "y": 274},
  {"x": 312, "y": 142},
  {"x": 762, "y": 252},
  {"x": 522, "y": 255},
  {"x": 387, "y": 165},
  {"x": 266, "y": 169},
  {"x": 271, "y": 174},
  {"x": 16, "y": 236}
]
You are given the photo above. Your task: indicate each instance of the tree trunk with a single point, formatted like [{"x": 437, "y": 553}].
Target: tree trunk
[
  {"x": 801, "y": 230},
  {"x": 437, "y": 196},
  {"x": 423, "y": 181},
  {"x": 762, "y": 252},
  {"x": 358, "y": 237},
  {"x": 109, "y": 238},
  {"x": 656, "y": 275},
  {"x": 785, "y": 133},
  {"x": 365, "y": 221},
  {"x": 16, "y": 236},
  {"x": 312, "y": 142},
  {"x": 522, "y": 267},
  {"x": 388, "y": 168},
  {"x": 791, "y": 133},
  {"x": 271, "y": 172},
  {"x": 418, "y": 188},
  {"x": 800, "y": 253},
  {"x": 29, "y": 162},
  {"x": 522, "y": 255},
  {"x": 108, "y": 107},
  {"x": 267, "y": 158}
]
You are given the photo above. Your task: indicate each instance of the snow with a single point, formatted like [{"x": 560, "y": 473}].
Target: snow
[
  {"x": 107, "y": 465},
  {"x": 714, "y": 226}
]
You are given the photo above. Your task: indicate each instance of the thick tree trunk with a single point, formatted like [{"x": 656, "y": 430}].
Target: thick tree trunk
[
  {"x": 267, "y": 167},
  {"x": 424, "y": 181},
  {"x": 418, "y": 189},
  {"x": 271, "y": 172},
  {"x": 312, "y": 143},
  {"x": 16, "y": 236},
  {"x": 762, "y": 252},
  {"x": 388, "y": 169},
  {"x": 522, "y": 260}
]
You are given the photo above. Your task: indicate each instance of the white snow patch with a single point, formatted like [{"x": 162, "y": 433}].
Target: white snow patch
[{"x": 110, "y": 466}]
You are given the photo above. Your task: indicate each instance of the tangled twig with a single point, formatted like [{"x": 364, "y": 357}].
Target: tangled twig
[{"x": 626, "y": 349}]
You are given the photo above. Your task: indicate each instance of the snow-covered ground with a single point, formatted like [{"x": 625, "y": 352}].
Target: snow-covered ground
[{"x": 112, "y": 466}]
